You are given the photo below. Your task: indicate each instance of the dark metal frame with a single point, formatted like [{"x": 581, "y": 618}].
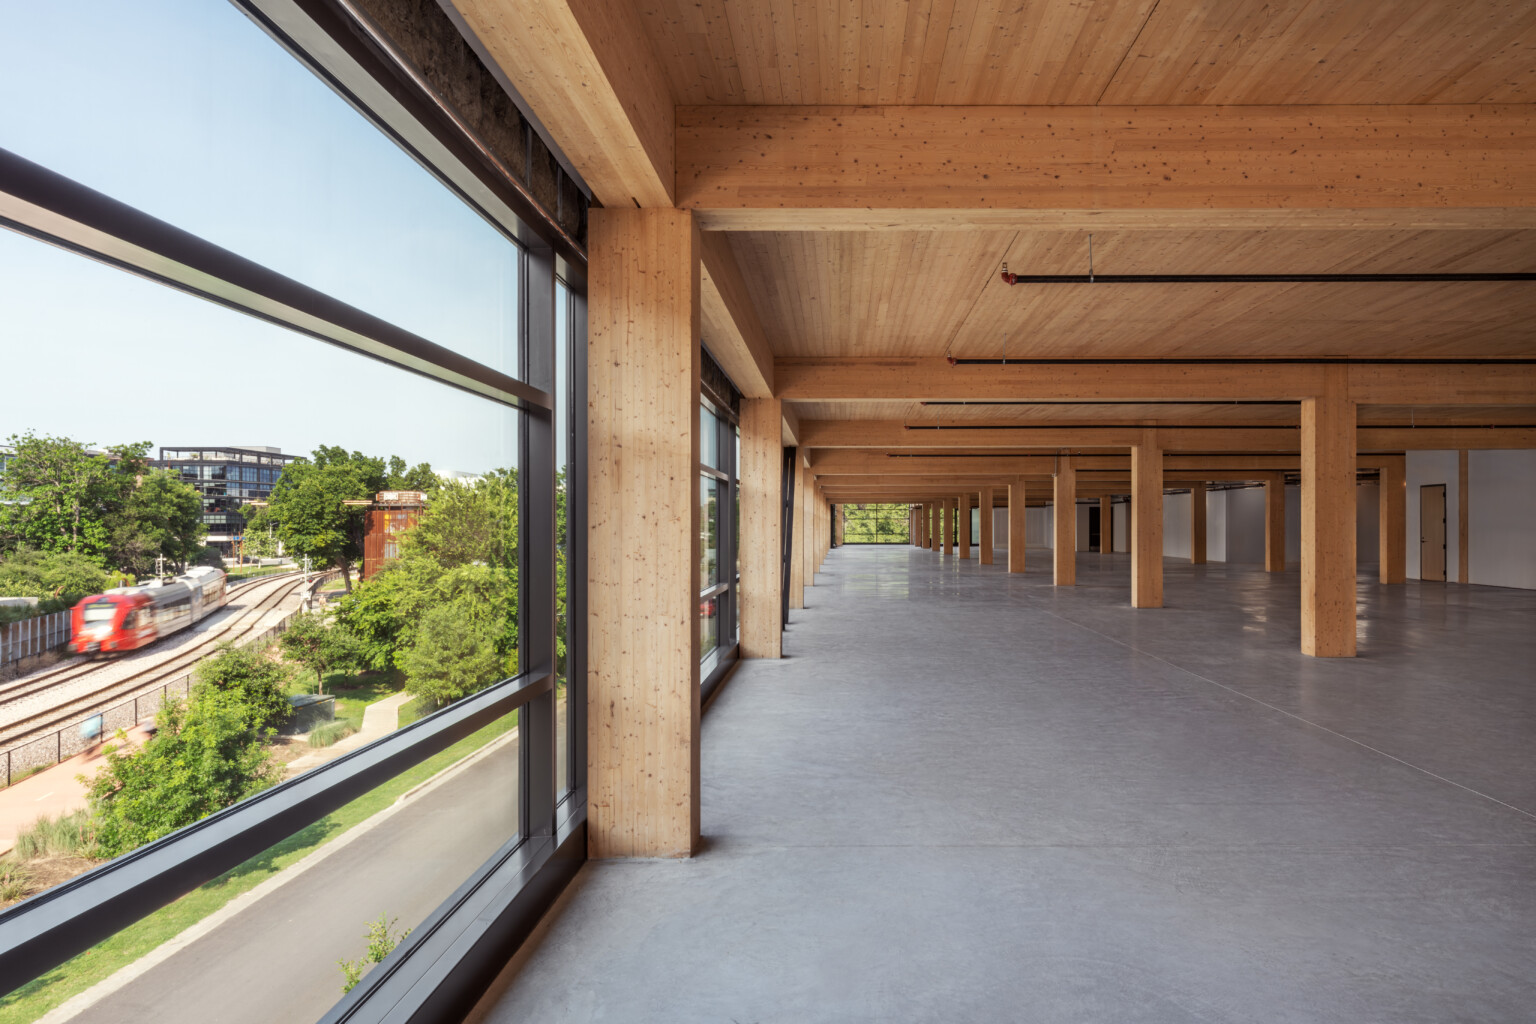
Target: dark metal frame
[
  {"x": 787, "y": 527},
  {"x": 726, "y": 591},
  {"x": 448, "y": 960}
]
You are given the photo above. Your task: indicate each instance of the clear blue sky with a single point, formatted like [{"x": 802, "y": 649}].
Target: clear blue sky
[{"x": 188, "y": 111}]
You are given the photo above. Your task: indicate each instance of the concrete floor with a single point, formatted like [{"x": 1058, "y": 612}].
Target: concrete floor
[{"x": 970, "y": 796}]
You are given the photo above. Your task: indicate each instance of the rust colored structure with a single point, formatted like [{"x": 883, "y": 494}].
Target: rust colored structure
[{"x": 392, "y": 513}]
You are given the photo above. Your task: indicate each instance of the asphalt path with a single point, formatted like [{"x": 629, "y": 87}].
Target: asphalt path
[{"x": 275, "y": 961}]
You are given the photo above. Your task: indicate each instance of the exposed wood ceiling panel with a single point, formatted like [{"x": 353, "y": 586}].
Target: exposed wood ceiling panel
[
  {"x": 932, "y": 293},
  {"x": 1093, "y": 51}
]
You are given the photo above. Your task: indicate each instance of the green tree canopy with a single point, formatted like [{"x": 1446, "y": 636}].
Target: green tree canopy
[
  {"x": 318, "y": 645},
  {"x": 59, "y": 497},
  {"x": 159, "y": 516},
  {"x": 52, "y": 575}
]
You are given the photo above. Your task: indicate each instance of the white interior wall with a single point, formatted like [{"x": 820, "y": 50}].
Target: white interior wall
[
  {"x": 1216, "y": 526},
  {"x": 1245, "y": 524},
  {"x": 1501, "y": 518},
  {"x": 1000, "y": 530},
  {"x": 1177, "y": 519},
  {"x": 1427, "y": 469},
  {"x": 1037, "y": 527}
]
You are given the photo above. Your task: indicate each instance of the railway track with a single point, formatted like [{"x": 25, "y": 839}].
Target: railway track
[
  {"x": 41, "y": 723},
  {"x": 78, "y": 666}
]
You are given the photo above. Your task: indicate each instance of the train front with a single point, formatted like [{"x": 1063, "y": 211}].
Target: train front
[{"x": 106, "y": 622}]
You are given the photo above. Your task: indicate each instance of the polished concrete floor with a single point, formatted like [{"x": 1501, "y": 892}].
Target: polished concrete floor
[{"x": 970, "y": 796}]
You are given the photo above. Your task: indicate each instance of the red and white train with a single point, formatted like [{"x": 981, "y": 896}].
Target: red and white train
[{"x": 127, "y": 618}]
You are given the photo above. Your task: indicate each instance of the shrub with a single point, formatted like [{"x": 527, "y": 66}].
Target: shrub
[
  {"x": 71, "y": 835},
  {"x": 253, "y": 679},
  {"x": 380, "y": 944},
  {"x": 330, "y": 732},
  {"x": 454, "y": 654},
  {"x": 15, "y": 883}
]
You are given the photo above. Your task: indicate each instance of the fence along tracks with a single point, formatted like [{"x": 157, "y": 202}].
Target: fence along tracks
[{"x": 179, "y": 661}]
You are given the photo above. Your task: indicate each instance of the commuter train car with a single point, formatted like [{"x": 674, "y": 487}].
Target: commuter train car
[{"x": 127, "y": 618}]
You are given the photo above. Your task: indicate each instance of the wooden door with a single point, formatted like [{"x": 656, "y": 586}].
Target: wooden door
[{"x": 1432, "y": 532}]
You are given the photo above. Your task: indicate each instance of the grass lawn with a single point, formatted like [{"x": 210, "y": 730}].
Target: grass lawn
[
  {"x": 250, "y": 572},
  {"x": 354, "y": 691},
  {"x": 37, "y": 997}
]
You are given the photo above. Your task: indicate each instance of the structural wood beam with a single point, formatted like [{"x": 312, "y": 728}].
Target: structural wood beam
[
  {"x": 985, "y": 502},
  {"x": 1393, "y": 526},
  {"x": 734, "y": 161},
  {"x": 732, "y": 332},
  {"x": 934, "y": 379},
  {"x": 586, "y": 70},
  {"x": 643, "y": 520},
  {"x": 1017, "y": 500}
]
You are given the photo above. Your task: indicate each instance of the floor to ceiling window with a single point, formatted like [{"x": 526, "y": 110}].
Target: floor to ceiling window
[{"x": 326, "y": 764}]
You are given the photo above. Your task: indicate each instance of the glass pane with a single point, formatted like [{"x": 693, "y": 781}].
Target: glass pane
[
  {"x": 564, "y": 401},
  {"x": 709, "y": 532},
  {"x": 709, "y": 626},
  {"x": 709, "y": 438},
  {"x": 877, "y": 524},
  {"x": 190, "y": 112},
  {"x": 400, "y": 528},
  {"x": 389, "y": 857}
]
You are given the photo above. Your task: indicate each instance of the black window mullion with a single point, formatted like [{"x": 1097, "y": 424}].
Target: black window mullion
[{"x": 537, "y": 490}]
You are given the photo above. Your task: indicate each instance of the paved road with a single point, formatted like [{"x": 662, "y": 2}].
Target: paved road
[{"x": 275, "y": 961}]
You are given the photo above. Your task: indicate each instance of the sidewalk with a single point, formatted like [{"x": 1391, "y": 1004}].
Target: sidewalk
[
  {"x": 55, "y": 791},
  {"x": 379, "y": 719}
]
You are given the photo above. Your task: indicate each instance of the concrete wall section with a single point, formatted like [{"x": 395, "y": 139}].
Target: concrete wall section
[
  {"x": 1177, "y": 515},
  {"x": 1501, "y": 516},
  {"x": 999, "y": 530},
  {"x": 1038, "y": 526},
  {"x": 1426, "y": 469}
]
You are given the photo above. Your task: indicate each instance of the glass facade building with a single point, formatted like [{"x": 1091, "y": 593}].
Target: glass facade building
[{"x": 226, "y": 478}]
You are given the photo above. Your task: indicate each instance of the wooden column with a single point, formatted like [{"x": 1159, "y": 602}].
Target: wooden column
[
  {"x": 1064, "y": 513},
  {"x": 963, "y": 524},
  {"x": 936, "y": 526},
  {"x": 949, "y": 526},
  {"x": 812, "y": 538},
  {"x": 761, "y": 482},
  {"x": 1147, "y": 523},
  {"x": 1463, "y": 547},
  {"x": 1328, "y": 519},
  {"x": 986, "y": 526},
  {"x": 1016, "y": 526},
  {"x": 1197, "y": 524},
  {"x": 1106, "y": 524},
  {"x": 797, "y": 543},
  {"x": 1393, "y": 513},
  {"x": 1274, "y": 523},
  {"x": 643, "y": 528}
]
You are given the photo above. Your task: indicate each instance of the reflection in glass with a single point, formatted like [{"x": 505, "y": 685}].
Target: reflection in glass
[
  {"x": 563, "y": 404},
  {"x": 190, "y": 112},
  {"x": 709, "y": 532},
  {"x": 709, "y": 626}
]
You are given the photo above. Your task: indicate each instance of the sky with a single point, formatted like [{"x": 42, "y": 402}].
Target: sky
[{"x": 186, "y": 110}]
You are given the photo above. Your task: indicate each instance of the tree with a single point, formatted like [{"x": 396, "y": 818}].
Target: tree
[
  {"x": 160, "y": 516},
  {"x": 257, "y": 682},
  {"x": 453, "y": 654},
  {"x": 53, "y": 576},
  {"x": 418, "y": 478},
  {"x": 318, "y": 645},
  {"x": 59, "y": 495},
  {"x": 381, "y": 942},
  {"x": 204, "y": 756}
]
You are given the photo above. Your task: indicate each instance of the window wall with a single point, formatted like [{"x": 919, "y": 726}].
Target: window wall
[
  {"x": 719, "y": 565},
  {"x": 331, "y": 292},
  {"x": 876, "y": 524}
]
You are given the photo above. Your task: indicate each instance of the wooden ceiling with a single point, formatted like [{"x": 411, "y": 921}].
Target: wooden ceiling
[
  {"x": 932, "y": 293},
  {"x": 1236, "y": 414},
  {"x": 1094, "y": 51}
]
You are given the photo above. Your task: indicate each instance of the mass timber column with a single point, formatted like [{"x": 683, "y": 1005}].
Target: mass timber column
[
  {"x": 1064, "y": 517},
  {"x": 949, "y": 526},
  {"x": 643, "y": 528},
  {"x": 963, "y": 524},
  {"x": 1328, "y": 519},
  {"x": 812, "y": 537},
  {"x": 1274, "y": 524},
  {"x": 797, "y": 543},
  {"x": 1016, "y": 526},
  {"x": 936, "y": 526},
  {"x": 986, "y": 526},
  {"x": 761, "y": 482},
  {"x": 1393, "y": 513},
  {"x": 1197, "y": 524},
  {"x": 1463, "y": 501},
  {"x": 1147, "y": 522},
  {"x": 1106, "y": 525}
]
